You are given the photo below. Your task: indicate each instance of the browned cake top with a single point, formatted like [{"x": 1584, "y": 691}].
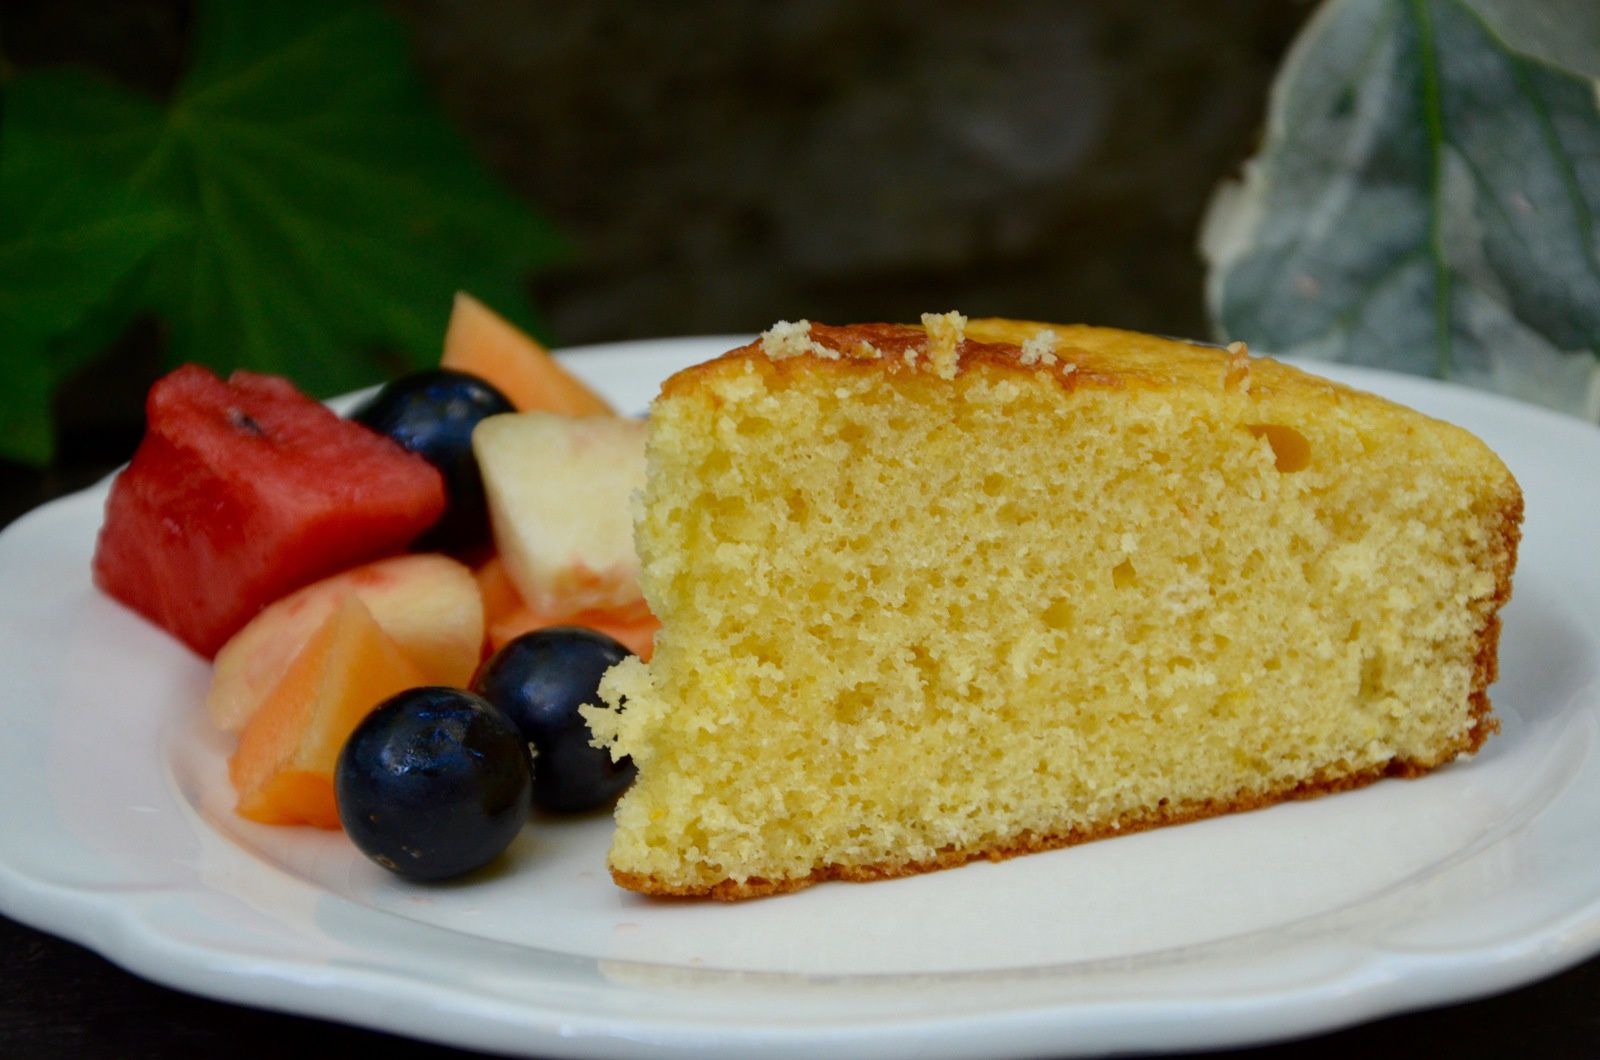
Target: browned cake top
[{"x": 1078, "y": 356}]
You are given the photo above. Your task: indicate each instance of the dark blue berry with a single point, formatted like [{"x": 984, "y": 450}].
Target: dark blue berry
[
  {"x": 432, "y": 414},
  {"x": 539, "y": 680},
  {"x": 433, "y": 783}
]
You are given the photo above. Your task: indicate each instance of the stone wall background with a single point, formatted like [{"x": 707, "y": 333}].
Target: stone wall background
[{"x": 721, "y": 165}]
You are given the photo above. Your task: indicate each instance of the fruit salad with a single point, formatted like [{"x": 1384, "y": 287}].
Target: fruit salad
[{"x": 405, "y": 608}]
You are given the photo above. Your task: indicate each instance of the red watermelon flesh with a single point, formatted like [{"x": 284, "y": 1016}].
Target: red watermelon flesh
[{"x": 242, "y": 492}]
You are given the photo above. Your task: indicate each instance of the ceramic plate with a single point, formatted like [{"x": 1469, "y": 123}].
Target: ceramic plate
[{"x": 118, "y": 834}]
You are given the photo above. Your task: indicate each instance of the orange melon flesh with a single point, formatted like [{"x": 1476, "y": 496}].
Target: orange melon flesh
[
  {"x": 293, "y": 796},
  {"x": 636, "y": 633},
  {"x": 507, "y": 616},
  {"x": 480, "y": 341},
  {"x": 428, "y": 604},
  {"x": 500, "y": 596},
  {"x": 283, "y": 769}
]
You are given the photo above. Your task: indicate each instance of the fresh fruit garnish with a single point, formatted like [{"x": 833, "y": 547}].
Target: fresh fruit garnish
[
  {"x": 558, "y": 491},
  {"x": 539, "y": 681},
  {"x": 433, "y": 414},
  {"x": 482, "y": 342},
  {"x": 255, "y": 521},
  {"x": 283, "y": 769},
  {"x": 241, "y": 492},
  {"x": 429, "y": 605},
  {"x": 506, "y": 616},
  {"x": 433, "y": 783}
]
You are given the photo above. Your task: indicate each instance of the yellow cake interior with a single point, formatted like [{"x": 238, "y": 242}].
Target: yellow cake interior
[{"x": 912, "y": 616}]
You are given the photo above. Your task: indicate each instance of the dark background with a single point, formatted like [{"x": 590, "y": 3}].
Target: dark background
[{"x": 718, "y": 166}]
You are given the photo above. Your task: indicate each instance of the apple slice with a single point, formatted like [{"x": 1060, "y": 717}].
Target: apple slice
[
  {"x": 283, "y": 769},
  {"x": 428, "y": 604},
  {"x": 559, "y": 489},
  {"x": 480, "y": 341}
]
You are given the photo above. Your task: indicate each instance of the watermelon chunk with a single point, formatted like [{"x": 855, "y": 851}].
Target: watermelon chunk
[{"x": 243, "y": 491}]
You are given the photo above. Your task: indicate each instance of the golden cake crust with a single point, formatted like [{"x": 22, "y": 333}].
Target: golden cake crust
[
  {"x": 1083, "y": 357},
  {"x": 730, "y": 890}
]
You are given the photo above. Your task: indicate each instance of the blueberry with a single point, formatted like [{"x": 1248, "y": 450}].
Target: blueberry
[
  {"x": 432, "y": 414},
  {"x": 433, "y": 783},
  {"x": 539, "y": 680}
]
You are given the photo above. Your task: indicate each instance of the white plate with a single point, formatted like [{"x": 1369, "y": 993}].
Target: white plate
[{"x": 117, "y": 833}]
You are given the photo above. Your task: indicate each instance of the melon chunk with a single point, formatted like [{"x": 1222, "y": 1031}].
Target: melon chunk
[
  {"x": 241, "y": 492},
  {"x": 559, "y": 489},
  {"x": 482, "y": 342},
  {"x": 507, "y": 616},
  {"x": 283, "y": 769},
  {"x": 428, "y": 604}
]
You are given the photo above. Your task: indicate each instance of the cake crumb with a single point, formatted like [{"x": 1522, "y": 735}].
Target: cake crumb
[
  {"x": 785, "y": 339},
  {"x": 1236, "y": 372},
  {"x": 946, "y": 333},
  {"x": 1040, "y": 348}
]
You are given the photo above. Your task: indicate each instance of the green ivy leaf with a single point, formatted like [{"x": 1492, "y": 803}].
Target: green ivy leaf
[
  {"x": 1426, "y": 200},
  {"x": 299, "y": 207},
  {"x": 1564, "y": 33},
  {"x": 69, "y": 238}
]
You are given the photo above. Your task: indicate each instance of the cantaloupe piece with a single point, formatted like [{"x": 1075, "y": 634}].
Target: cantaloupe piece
[
  {"x": 507, "y": 616},
  {"x": 429, "y": 604},
  {"x": 283, "y": 769},
  {"x": 482, "y": 342},
  {"x": 500, "y": 596},
  {"x": 636, "y": 632}
]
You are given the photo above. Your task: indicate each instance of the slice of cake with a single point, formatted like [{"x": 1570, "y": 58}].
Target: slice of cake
[{"x": 984, "y": 588}]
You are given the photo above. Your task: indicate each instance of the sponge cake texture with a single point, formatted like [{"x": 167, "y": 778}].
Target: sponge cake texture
[{"x": 979, "y": 588}]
